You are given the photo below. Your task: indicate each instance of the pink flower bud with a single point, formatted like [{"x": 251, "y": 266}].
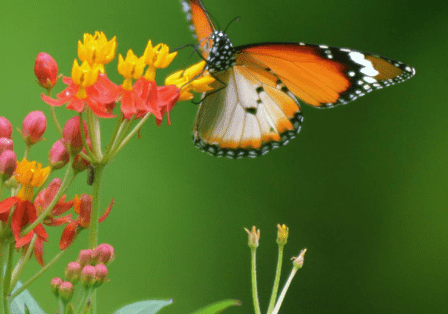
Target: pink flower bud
[
  {"x": 58, "y": 156},
  {"x": 55, "y": 284},
  {"x": 101, "y": 273},
  {"x": 66, "y": 290},
  {"x": 46, "y": 70},
  {"x": 85, "y": 257},
  {"x": 72, "y": 134},
  {"x": 72, "y": 272},
  {"x": 88, "y": 275},
  {"x": 33, "y": 127},
  {"x": 103, "y": 254},
  {"x": 5, "y": 128},
  {"x": 8, "y": 164},
  {"x": 6, "y": 144}
]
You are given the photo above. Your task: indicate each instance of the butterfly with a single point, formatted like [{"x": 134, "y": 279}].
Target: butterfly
[{"x": 254, "y": 106}]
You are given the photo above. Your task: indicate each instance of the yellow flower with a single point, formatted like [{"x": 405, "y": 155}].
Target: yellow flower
[
  {"x": 130, "y": 68},
  {"x": 96, "y": 49},
  {"x": 157, "y": 57},
  {"x": 84, "y": 75},
  {"x": 30, "y": 174},
  {"x": 192, "y": 79}
]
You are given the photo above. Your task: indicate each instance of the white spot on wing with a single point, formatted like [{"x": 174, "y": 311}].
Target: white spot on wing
[{"x": 367, "y": 68}]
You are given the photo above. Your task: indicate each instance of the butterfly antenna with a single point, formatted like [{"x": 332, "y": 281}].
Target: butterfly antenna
[{"x": 237, "y": 19}]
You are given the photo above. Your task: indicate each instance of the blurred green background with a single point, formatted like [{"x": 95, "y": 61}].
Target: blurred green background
[{"x": 363, "y": 186}]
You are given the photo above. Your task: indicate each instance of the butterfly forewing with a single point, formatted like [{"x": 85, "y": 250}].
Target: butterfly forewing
[{"x": 200, "y": 24}]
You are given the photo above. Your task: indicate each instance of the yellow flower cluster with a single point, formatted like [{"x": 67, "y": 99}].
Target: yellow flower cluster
[{"x": 30, "y": 174}]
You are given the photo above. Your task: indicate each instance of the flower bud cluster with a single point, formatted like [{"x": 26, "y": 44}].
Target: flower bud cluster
[{"x": 90, "y": 268}]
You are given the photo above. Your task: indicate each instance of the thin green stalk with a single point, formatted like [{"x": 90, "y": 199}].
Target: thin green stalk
[
  {"x": 124, "y": 134},
  {"x": 254, "y": 280},
  {"x": 114, "y": 135},
  {"x": 277, "y": 279},
  {"x": 84, "y": 140},
  {"x": 38, "y": 274},
  {"x": 85, "y": 298},
  {"x": 94, "y": 216},
  {"x": 8, "y": 270},
  {"x": 68, "y": 179},
  {"x": 285, "y": 288},
  {"x": 132, "y": 133},
  {"x": 61, "y": 306},
  {"x": 27, "y": 151},
  {"x": 55, "y": 119},
  {"x": 20, "y": 266},
  {"x": 93, "y": 123},
  {"x": 2, "y": 184},
  {"x": 3, "y": 247}
]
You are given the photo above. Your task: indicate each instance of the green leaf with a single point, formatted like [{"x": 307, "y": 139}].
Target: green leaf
[
  {"x": 218, "y": 307},
  {"x": 144, "y": 307},
  {"x": 24, "y": 303}
]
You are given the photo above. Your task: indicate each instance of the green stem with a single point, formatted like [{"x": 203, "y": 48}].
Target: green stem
[
  {"x": 114, "y": 135},
  {"x": 55, "y": 120},
  {"x": 2, "y": 185},
  {"x": 277, "y": 279},
  {"x": 23, "y": 260},
  {"x": 94, "y": 215},
  {"x": 68, "y": 179},
  {"x": 3, "y": 248},
  {"x": 8, "y": 271},
  {"x": 62, "y": 306},
  {"x": 132, "y": 133},
  {"x": 85, "y": 298},
  {"x": 93, "y": 124},
  {"x": 84, "y": 141},
  {"x": 254, "y": 280},
  {"x": 38, "y": 274},
  {"x": 27, "y": 151},
  {"x": 285, "y": 288}
]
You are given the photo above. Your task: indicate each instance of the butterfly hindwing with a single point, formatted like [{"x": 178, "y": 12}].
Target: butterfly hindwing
[
  {"x": 324, "y": 76},
  {"x": 250, "y": 116}
]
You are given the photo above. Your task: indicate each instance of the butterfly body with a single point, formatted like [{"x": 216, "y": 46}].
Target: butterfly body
[{"x": 254, "y": 106}]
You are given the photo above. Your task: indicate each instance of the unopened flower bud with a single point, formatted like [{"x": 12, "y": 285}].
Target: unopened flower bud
[
  {"x": 58, "y": 156},
  {"x": 282, "y": 234},
  {"x": 101, "y": 273},
  {"x": 72, "y": 272},
  {"x": 298, "y": 261},
  {"x": 46, "y": 70},
  {"x": 88, "y": 275},
  {"x": 72, "y": 134},
  {"x": 33, "y": 127},
  {"x": 66, "y": 290},
  {"x": 103, "y": 254},
  {"x": 6, "y": 144},
  {"x": 8, "y": 164},
  {"x": 85, "y": 257},
  {"x": 5, "y": 128},
  {"x": 55, "y": 284},
  {"x": 254, "y": 237}
]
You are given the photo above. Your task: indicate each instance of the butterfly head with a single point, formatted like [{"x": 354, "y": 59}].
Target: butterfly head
[{"x": 221, "y": 55}]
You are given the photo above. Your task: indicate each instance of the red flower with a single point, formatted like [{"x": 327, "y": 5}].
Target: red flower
[
  {"x": 83, "y": 207},
  {"x": 167, "y": 97},
  {"x": 24, "y": 214},
  {"x": 97, "y": 96}
]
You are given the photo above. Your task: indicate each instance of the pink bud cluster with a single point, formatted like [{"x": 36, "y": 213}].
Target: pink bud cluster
[
  {"x": 8, "y": 159},
  {"x": 90, "y": 268}
]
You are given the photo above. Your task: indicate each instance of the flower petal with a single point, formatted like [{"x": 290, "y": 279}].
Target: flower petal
[
  {"x": 68, "y": 235},
  {"x": 107, "y": 211}
]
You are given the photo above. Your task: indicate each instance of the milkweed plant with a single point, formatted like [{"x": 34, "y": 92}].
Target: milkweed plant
[{"x": 36, "y": 203}]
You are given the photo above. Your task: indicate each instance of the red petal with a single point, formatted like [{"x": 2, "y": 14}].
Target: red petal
[
  {"x": 59, "y": 221},
  {"x": 99, "y": 109},
  {"x": 106, "y": 213},
  {"x": 54, "y": 102},
  {"x": 6, "y": 204},
  {"x": 68, "y": 235},
  {"x": 61, "y": 207},
  {"x": 17, "y": 220},
  {"x": 76, "y": 104},
  {"x": 25, "y": 239},
  {"x": 128, "y": 104},
  {"x": 39, "y": 250}
]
